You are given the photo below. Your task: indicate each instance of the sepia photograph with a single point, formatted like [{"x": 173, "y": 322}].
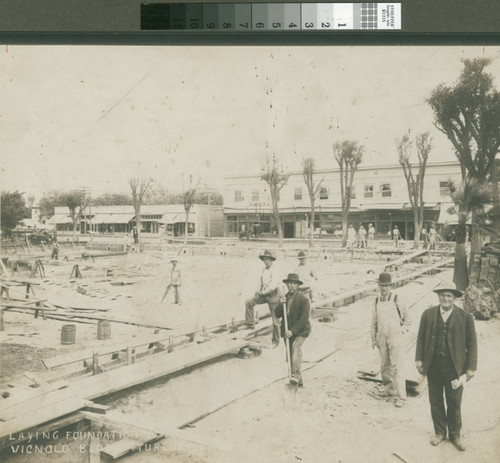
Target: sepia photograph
[{"x": 249, "y": 254}]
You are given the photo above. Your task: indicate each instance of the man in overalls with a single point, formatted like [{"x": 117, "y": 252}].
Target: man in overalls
[{"x": 388, "y": 318}]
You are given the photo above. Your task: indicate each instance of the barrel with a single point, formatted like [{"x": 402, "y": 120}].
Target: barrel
[
  {"x": 103, "y": 330},
  {"x": 68, "y": 334}
]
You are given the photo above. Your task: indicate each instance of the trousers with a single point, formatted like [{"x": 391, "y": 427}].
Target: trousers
[
  {"x": 272, "y": 302},
  {"x": 295, "y": 355},
  {"x": 391, "y": 359},
  {"x": 439, "y": 377}
]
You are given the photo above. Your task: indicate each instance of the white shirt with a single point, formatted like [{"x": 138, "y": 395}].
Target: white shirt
[
  {"x": 268, "y": 281},
  {"x": 445, "y": 314}
]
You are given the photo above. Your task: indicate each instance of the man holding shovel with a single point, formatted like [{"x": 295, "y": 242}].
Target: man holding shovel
[{"x": 295, "y": 326}]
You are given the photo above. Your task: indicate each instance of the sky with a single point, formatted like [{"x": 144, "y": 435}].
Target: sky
[{"x": 94, "y": 116}]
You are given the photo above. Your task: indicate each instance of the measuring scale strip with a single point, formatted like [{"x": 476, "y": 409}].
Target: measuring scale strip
[{"x": 232, "y": 17}]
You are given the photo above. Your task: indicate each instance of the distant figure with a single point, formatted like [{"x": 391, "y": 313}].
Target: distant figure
[
  {"x": 432, "y": 237},
  {"x": 267, "y": 293},
  {"x": 135, "y": 234},
  {"x": 362, "y": 236},
  {"x": 351, "y": 237},
  {"x": 175, "y": 282},
  {"x": 388, "y": 317},
  {"x": 126, "y": 243},
  {"x": 307, "y": 274},
  {"x": 396, "y": 235},
  {"x": 425, "y": 237},
  {"x": 371, "y": 235},
  {"x": 55, "y": 251}
]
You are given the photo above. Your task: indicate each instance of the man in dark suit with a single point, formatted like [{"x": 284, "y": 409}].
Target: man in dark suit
[
  {"x": 447, "y": 354},
  {"x": 297, "y": 309}
]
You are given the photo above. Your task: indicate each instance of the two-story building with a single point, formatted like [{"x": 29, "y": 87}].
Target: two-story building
[{"x": 379, "y": 196}]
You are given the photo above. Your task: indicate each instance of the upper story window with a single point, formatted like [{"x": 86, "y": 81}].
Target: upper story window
[
  {"x": 386, "y": 190},
  {"x": 368, "y": 191},
  {"x": 255, "y": 195},
  {"x": 297, "y": 194},
  {"x": 353, "y": 192},
  {"x": 238, "y": 196},
  {"x": 323, "y": 193},
  {"x": 444, "y": 188}
]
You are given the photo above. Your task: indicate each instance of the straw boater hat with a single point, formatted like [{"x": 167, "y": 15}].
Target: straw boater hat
[
  {"x": 302, "y": 255},
  {"x": 385, "y": 279},
  {"x": 267, "y": 254},
  {"x": 292, "y": 277},
  {"x": 448, "y": 287}
]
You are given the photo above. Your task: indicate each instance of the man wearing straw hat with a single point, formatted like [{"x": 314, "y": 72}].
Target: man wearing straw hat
[
  {"x": 388, "y": 317},
  {"x": 175, "y": 282},
  {"x": 267, "y": 293},
  {"x": 447, "y": 353},
  {"x": 297, "y": 324}
]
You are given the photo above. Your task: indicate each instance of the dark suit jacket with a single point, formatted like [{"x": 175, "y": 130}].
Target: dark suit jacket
[
  {"x": 462, "y": 339},
  {"x": 298, "y": 318}
]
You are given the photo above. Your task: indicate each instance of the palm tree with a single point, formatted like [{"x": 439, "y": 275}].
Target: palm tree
[{"x": 470, "y": 198}]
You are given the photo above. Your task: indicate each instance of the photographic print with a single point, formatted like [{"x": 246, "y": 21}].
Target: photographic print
[{"x": 249, "y": 253}]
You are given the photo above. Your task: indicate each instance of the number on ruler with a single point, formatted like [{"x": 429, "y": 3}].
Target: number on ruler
[
  {"x": 194, "y": 24},
  {"x": 227, "y": 25},
  {"x": 245, "y": 25},
  {"x": 259, "y": 25},
  {"x": 325, "y": 25},
  {"x": 211, "y": 25},
  {"x": 277, "y": 25},
  {"x": 309, "y": 25},
  {"x": 291, "y": 25}
]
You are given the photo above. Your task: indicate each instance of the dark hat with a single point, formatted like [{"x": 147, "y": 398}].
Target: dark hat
[
  {"x": 302, "y": 255},
  {"x": 174, "y": 260},
  {"x": 448, "y": 287},
  {"x": 267, "y": 254},
  {"x": 385, "y": 279},
  {"x": 292, "y": 277}
]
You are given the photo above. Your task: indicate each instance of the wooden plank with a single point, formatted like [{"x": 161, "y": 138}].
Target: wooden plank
[{"x": 123, "y": 447}]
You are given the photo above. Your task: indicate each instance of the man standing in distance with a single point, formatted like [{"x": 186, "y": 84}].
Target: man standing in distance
[
  {"x": 447, "y": 353},
  {"x": 267, "y": 293},
  {"x": 307, "y": 274}
]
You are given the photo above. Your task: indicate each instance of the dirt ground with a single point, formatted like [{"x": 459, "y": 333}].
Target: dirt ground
[{"x": 336, "y": 417}]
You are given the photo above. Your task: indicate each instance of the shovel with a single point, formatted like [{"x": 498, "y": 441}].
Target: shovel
[{"x": 290, "y": 389}]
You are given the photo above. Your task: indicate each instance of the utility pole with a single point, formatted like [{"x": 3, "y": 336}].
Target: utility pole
[{"x": 209, "y": 213}]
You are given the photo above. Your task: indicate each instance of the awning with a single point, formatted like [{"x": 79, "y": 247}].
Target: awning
[
  {"x": 172, "y": 217},
  {"x": 60, "y": 219},
  {"x": 113, "y": 218},
  {"x": 384, "y": 206}
]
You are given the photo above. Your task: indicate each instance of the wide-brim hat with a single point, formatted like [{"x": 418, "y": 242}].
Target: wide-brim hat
[
  {"x": 292, "y": 277},
  {"x": 267, "y": 254},
  {"x": 302, "y": 255},
  {"x": 174, "y": 260},
  {"x": 384, "y": 279},
  {"x": 448, "y": 287}
]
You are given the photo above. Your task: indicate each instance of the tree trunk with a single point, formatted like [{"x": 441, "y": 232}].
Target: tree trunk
[
  {"x": 74, "y": 228},
  {"x": 311, "y": 225},
  {"x": 138, "y": 224},
  {"x": 345, "y": 220},
  {"x": 460, "y": 272},
  {"x": 476, "y": 239},
  {"x": 418, "y": 227}
]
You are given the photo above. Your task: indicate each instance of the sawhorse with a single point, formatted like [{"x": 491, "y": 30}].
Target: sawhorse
[
  {"x": 76, "y": 272},
  {"x": 38, "y": 268}
]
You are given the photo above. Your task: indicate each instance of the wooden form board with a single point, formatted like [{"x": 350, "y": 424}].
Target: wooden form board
[{"x": 51, "y": 405}]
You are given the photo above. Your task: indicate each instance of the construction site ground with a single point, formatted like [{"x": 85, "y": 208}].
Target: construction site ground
[{"x": 241, "y": 409}]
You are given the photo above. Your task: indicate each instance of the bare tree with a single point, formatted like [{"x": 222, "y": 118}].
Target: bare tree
[
  {"x": 139, "y": 187},
  {"x": 188, "y": 197},
  {"x": 349, "y": 155},
  {"x": 74, "y": 201},
  {"x": 276, "y": 181},
  {"x": 415, "y": 183},
  {"x": 308, "y": 165}
]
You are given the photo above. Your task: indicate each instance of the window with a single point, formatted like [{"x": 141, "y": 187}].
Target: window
[
  {"x": 368, "y": 191},
  {"x": 385, "y": 188},
  {"x": 255, "y": 196},
  {"x": 353, "y": 192},
  {"x": 231, "y": 218},
  {"x": 444, "y": 188},
  {"x": 298, "y": 194},
  {"x": 238, "y": 196},
  {"x": 323, "y": 193}
]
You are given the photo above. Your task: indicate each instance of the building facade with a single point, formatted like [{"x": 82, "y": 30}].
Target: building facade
[
  {"x": 380, "y": 196},
  {"x": 166, "y": 220}
]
